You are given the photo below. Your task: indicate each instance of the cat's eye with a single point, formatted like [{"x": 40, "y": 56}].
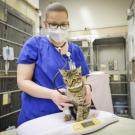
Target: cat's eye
[{"x": 66, "y": 81}]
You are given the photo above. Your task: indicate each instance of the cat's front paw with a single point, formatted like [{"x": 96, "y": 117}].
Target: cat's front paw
[
  {"x": 79, "y": 119},
  {"x": 67, "y": 117}
]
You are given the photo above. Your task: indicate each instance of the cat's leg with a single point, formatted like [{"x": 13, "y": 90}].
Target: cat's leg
[
  {"x": 67, "y": 116},
  {"x": 79, "y": 116},
  {"x": 86, "y": 111}
]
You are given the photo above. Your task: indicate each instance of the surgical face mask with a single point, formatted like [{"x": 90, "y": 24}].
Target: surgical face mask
[{"x": 58, "y": 35}]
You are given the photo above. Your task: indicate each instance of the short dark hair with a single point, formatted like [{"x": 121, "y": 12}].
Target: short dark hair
[{"x": 56, "y": 6}]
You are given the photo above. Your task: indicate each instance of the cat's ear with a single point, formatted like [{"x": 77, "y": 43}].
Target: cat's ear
[
  {"x": 79, "y": 69},
  {"x": 63, "y": 72}
]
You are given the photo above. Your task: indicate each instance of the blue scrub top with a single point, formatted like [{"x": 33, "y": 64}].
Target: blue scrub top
[{"x": 39, "y": 50}]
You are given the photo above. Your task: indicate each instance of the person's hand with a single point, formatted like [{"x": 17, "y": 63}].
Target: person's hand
[
  {"x": 63, "y": 90},
  {"x": 88, "y": 96},
  {"x": 60, "y": 100}
]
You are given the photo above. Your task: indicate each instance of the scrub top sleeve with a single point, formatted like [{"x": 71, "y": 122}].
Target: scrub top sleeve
[
  {"x": 29, "y": 52},
  {"x": 83, "y": 63}
]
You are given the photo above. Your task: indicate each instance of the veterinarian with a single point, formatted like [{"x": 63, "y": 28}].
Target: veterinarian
[{"x": 40, "y": 59}]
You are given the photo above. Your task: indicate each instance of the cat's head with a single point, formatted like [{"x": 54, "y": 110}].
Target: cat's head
[{"x": 72, "y": 78}]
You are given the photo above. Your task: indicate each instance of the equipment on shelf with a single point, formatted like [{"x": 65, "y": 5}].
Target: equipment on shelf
[{"x": 8, "y": 55}]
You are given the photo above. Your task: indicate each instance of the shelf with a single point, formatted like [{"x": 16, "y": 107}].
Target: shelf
[
  {"x": 116, "y": 72},
  {"x": 15, "y": 28},
  {"x": 7, "y": 76},
  {"x": 10, "y": 71},
  {"x": 11, "y": 74},
  {"x": 110, "y": 54},
  {"x": 10, "y": 113},
  {"x": 121, "y": 106},
  {"x": 84, "y": 46},
  {"x": 123, "y": 115},
  {"x": 12, "y": 91},
  {"x": 117, "y": 82},
  {"x": 119, "y": 94}
]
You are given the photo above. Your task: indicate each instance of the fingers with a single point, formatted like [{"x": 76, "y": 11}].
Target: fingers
[
  {"x": 65, "y": 98},
  {"x": 65, "y": 101},
  {"x": 88, "y": 104},
  {"x": 62, "y": 106},
  {"x": 66, "y": 104},
  {"x": 87, "y": 101},
  {"x": 62, "y": 101},
  {"x": 63, "y": 90}
]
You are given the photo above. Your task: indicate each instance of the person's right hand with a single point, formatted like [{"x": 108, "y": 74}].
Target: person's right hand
[{"x": 60, "y": 100}]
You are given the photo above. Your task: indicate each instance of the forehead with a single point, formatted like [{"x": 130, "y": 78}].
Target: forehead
[
  {"x": 57, "y": 16},
  {"x": 72, "y": 71}
]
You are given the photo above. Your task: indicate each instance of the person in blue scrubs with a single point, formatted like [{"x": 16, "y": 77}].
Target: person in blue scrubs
[{"x": 39, "y": 63}]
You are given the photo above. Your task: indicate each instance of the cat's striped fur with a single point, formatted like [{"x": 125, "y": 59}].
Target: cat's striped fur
[{"x": 76, "y": 90}]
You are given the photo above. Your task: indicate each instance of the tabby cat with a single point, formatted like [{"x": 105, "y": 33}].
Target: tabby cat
[{"x": 76, "y": 90}]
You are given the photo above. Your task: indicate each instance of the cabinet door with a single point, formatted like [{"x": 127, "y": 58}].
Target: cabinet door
[
  {"x": 2, "y": 30},
  {"x": 15, "y": 33},
  {"x": 19, "y": 23}
]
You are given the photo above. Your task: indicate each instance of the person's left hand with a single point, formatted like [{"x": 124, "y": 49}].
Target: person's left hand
[{"x": 88, "y": 96}]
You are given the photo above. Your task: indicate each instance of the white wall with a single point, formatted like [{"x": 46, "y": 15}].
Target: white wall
[
  {"x": 94, "y": 13},
  {"x": 33, "y": 3}
]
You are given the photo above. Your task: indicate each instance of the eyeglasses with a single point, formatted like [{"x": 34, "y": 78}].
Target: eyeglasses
[{"x": 55, "y": 26}]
